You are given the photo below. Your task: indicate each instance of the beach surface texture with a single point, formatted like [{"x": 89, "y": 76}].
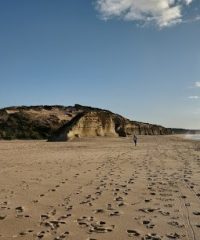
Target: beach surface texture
[{"x": 100, "y": 189}]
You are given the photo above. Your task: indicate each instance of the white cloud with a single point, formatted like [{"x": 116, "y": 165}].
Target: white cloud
[
  {"x": 188, "y": 1},
  {"x": 197, "y": 84},
  {"x": 161, "y": 12},
  {"x": 193, "y": 97}
]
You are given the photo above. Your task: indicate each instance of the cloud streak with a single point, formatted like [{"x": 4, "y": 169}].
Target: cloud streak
[
  {"x": 193, "y": 97},
  {"x": 163, "y": 13},
  {"x": 197, "y": 84}
]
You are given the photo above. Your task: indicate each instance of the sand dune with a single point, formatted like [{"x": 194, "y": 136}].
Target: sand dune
[{"x": 100, "y": 188}]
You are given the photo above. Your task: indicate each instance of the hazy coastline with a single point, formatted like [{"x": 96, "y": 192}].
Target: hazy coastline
[{"x": 193, "y": 137}]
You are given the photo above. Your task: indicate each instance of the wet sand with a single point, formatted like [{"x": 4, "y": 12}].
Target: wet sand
[{"x": 100, "y": 189}]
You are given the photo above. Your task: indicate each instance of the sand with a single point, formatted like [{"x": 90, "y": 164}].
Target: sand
[{"x": 100, "y": 188}]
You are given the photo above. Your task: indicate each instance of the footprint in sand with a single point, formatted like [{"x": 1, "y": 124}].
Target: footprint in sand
[
  {"x": 62, "y": 236},
  {"x": 173, "y": 236},
  {"x": 132, "y": 233},
  {"x": 148, "y": 223},
  {"x": 151, "y": 236},
  {"x": 197, "y": 213},
  {"x": 176, "y": 224},
  {"x": 3, "y": 216},
  {"x": 94, "y": 226},
  {"x": 19, "y": 211}
]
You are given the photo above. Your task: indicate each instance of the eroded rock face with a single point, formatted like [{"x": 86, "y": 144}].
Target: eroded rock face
[
  {"x": 60, "y": 122},
  {"x": 88, "y": 124},
  {"x": 102, "y": 123}
]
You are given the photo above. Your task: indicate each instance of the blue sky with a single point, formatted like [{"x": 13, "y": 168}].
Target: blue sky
[{"x": 138, "y": 59}]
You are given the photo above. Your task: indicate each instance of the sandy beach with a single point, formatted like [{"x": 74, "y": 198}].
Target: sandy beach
[{"x": 100, "y": 189}]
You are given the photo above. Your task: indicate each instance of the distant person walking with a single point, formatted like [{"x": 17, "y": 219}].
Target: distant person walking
[{"x": 135, "y": 139}]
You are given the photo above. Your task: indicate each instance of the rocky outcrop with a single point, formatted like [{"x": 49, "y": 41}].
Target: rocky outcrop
[
  {"x": 104, "y": 123},
  {"x": 86, "y": 124},
  {"x": 34, "y": 122},
  {"x": 63, "y": 123}
]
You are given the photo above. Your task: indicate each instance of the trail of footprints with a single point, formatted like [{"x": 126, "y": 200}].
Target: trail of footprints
[{"x": 158, "y": 199}]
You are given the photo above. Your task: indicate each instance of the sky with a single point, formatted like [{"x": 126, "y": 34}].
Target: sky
[{"x": 138, "y": 58}]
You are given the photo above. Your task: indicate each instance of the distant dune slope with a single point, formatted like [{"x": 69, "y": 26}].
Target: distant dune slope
[{"x": 63, "y": 123}]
